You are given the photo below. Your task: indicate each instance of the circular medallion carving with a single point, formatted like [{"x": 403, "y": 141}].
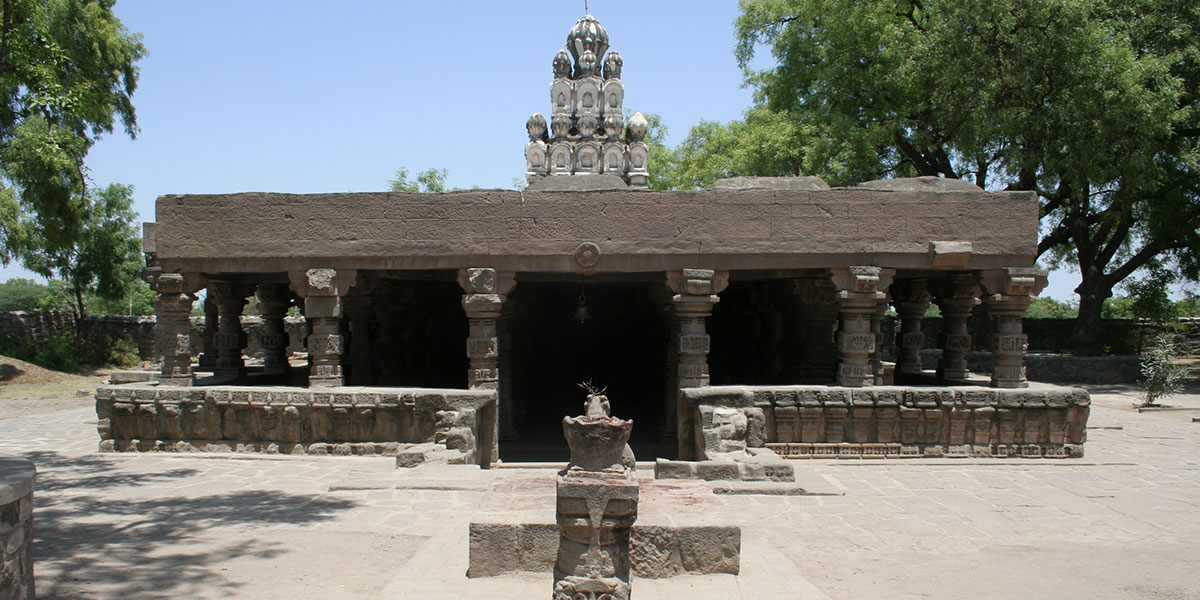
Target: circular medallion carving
[{"x": 587, "y": 254}]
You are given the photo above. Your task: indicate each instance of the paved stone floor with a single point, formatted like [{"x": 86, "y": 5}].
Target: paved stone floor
[{"x": 1123, "y": 522}]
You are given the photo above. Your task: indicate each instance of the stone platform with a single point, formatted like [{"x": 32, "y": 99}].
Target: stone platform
[{"x": 682, "y": 528}]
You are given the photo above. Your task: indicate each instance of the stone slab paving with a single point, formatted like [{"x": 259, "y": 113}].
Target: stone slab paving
[{"x": 1122, "y": 522}]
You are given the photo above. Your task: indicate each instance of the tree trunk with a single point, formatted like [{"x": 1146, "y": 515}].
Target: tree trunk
[
  {"x": 1085, "y": 337},
  {"x": 80, "y": 313}
]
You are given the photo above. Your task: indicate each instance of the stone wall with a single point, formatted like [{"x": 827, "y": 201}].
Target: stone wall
[
  {"x": 140, "y": 417},
  {"x": 26, "y": 326},
  {"x": 1057, "y": 368},
  {"x": 1120, "y": 336},
  {"x": 887, "y": 421},
  {"x": 17, "y": 477}
]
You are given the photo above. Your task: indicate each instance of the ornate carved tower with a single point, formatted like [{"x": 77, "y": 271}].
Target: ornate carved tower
[{"x": 587, "y": 133}]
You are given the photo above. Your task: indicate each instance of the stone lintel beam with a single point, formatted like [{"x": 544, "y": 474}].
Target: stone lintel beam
[
  {"x": 912, "y": 299},
  {"x": 956, "y": 296},
  {"x": 173, "y": 328},
  {"x": 1008, "y": 294},
  {"x": 862, "y": 292}
]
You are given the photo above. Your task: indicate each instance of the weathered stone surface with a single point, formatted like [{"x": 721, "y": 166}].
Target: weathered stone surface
[
  {"x": 518, "y": 231},
  {"x": 590, "y": 183},
  {"x": 17, "y": 477},
  {"x": 890, "y": 421},
  {"x": 921, "y": 184},
  {"x": 770, "y": 183},
  {"x": 672, "y": 517},
  {"x": 343, "y": 421}
]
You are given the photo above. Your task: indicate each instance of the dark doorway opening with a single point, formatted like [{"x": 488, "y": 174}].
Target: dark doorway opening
[{"x": 621, "y": 347}]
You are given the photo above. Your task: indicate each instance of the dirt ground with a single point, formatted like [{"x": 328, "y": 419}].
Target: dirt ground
[{"x": 27, "y": 389}]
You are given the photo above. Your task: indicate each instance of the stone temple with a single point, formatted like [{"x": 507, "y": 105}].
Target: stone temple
[{"x": 739, "y": 326}]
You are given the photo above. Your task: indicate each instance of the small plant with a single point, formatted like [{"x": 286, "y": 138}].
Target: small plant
[{"x": 1162, "y": 376}]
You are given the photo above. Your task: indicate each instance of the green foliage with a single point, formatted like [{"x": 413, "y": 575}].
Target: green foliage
[
  {"x": 105, "y": 259},
  {"x": 1049, "y": 308},
  {"x": 72, "y": 352},
  {"x": 1120, "y": 307},
  {"x": 137, "y": 301},
  {"x": 20, "y": 294},
  {"x": 1162, "y": 377},
  {"x": 67, "y": 74},
  {"x": 1093, "y": 104},
  {"x": 429, "y": 181}
]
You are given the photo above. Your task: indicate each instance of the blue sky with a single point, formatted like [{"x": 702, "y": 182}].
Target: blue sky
[{"x": 306, "y": 96}]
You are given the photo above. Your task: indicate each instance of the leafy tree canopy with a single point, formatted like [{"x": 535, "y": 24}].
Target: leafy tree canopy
[
  {"x": 429, "y": 181},
  {"x": 1093, "y": 104},
  {"x": 67, "y": 75}
]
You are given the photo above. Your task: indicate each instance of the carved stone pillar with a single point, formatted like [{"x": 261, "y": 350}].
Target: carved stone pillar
[
  {"x": 273, "y": 304},
  {"x": 695, "y": 294},
  {"x": 1009, "y": 292},
  {"x": 912, "y": 299},
  {"x": 485, "y": 291},
  {"x": 173, "y": 328},
  {"x": 230, "y": 299},
  {"x": 861, "y": 290},
  {"x": 322, "y": 290},
  {"x": 877, "y": 329},
  {"x": 484, "y": 298},
  {"x": 956, "y": 297},
  {"x": 208, "y": 353}
]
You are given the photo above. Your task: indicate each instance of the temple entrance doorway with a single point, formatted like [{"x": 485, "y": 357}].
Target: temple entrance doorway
[{"x": 621, "y": 345}]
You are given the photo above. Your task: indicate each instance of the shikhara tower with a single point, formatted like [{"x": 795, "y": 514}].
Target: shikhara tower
[{"x": 587, "y": 133}]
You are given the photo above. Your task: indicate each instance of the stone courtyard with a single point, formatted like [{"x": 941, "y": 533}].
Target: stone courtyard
[{"x": 1123, "y": 522}]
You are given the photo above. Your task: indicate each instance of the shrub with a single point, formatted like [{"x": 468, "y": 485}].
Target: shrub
[{"x": 1162, "y": 376}]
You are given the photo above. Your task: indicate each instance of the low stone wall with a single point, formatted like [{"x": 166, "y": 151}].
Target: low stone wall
[
  {"x": 888, "y": 421},
  {"x": 345, "y": 421},
  {"x": 29, "y": 326},
  {"x": 17, "y": 477},
  {"x": 1056, "y": 368},
  {"x": 1119, "y": 336}
]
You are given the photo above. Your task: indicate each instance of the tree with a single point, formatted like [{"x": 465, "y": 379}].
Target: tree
[
  {"x": 105, "y": 258},
  {"x": 21, "y": 294},
  {"x": 429, "y": 181},
  {"x": 1092, "y": 104},
  {"x": 67, "y": 75}
]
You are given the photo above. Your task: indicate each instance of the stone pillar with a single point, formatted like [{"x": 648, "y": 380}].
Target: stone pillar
[
  {"x": 173, "y": 328},
  {"x": 208, "y": 353},
  {"x": 861, "y": 290},
  {"x": 484, "y": 298},
  {"x": 1009, "y": 292},
  {"x": 695, "y": 294},
  {"x": 273, "y": 300},
  {"x": 230, "y": 299},
  {"x": 322, "y": 290},
  {"x": 877, "y": 329},
  {"x": 912, "y": 299},
  {"x": 956, "y": 297}
]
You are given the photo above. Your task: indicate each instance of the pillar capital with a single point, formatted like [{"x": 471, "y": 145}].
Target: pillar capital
[
  {"x": 322, "y": 282},
  {"x": 1013, "y": 282}
]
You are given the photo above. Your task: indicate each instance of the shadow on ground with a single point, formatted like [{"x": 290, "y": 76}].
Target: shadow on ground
[{"x": 93, "y": 541}]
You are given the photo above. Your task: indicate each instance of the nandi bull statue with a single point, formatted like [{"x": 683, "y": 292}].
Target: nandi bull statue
[{"x": 597, "y": 498}]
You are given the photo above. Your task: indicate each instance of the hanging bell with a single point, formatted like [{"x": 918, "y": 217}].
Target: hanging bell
[{"x": 581, "y": 312}]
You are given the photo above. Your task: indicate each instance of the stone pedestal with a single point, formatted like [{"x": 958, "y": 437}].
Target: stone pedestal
[
  {"x": 597, "y": 499},
  {"x": 1009, "y": 294},
  {"x": 17, "y": 478},
  {"x": 956, "y": 297},
  {"x": 173, "y": 330},
  {"x": 861, "y": 291}
]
